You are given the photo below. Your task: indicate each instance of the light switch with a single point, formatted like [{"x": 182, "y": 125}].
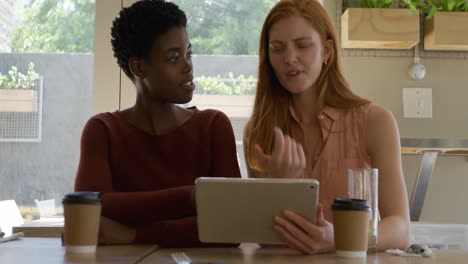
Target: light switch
[{"x": 417, "y": 102}]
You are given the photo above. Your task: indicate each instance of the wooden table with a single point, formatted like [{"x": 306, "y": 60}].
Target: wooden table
[
  {"x": 251, "y": 255},
  {"x": 50, "y": 251},
  {"x": 47, "y": 227}
]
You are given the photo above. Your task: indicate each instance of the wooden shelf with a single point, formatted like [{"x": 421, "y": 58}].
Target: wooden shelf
[
  {"x": 379, "y": 28},
  {"x": 447, "y": 31},
  {"x": 443, "y": 151},
  {"x": 18, "y": 100}
]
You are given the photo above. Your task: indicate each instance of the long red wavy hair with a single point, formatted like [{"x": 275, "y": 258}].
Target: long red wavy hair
[{"x": 272, "y": 100}]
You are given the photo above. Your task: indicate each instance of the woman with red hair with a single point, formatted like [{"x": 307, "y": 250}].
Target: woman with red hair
[{"x": 301, "y": 92}]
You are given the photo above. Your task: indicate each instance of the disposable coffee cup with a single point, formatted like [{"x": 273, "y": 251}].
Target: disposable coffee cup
[
  {"x": 82, "y": 211},
  {"x": 351, "y": 227}
]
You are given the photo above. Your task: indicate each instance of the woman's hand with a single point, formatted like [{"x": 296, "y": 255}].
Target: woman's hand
[
  {"x": 114, "y": 233},
  {"x": 287, "y": 159},
  {"x": 300, "y": 234}
]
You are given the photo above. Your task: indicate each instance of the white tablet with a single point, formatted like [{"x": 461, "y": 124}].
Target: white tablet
[{"x": 234, "y": 210}]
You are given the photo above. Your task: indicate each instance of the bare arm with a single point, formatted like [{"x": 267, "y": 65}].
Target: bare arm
[
  {"x": 383, "y": 146},
  {"x": 287, "y": 159}
]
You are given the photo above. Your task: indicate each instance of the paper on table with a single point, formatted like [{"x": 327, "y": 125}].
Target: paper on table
[
  {"x": 414, "y": 250},
  {"x": 12, "y": 237},
  {"x": 402, "y": 253}
]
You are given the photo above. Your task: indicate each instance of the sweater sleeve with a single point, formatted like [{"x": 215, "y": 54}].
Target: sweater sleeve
[
  {"x": 94, "y": 174},
  {"x": 225, "y": 160}
]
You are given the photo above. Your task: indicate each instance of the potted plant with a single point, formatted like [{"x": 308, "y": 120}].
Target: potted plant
[
  {"x": 16, "y": 90},
  {"x": 376, "y": 25},
  {"x": 446, "y": 24}
]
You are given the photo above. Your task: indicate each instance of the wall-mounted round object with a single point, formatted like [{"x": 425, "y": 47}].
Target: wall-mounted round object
[{"x": 417, "y": 71}]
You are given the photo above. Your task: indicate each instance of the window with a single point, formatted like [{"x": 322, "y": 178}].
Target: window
[{"x": 46, "y": 66}]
